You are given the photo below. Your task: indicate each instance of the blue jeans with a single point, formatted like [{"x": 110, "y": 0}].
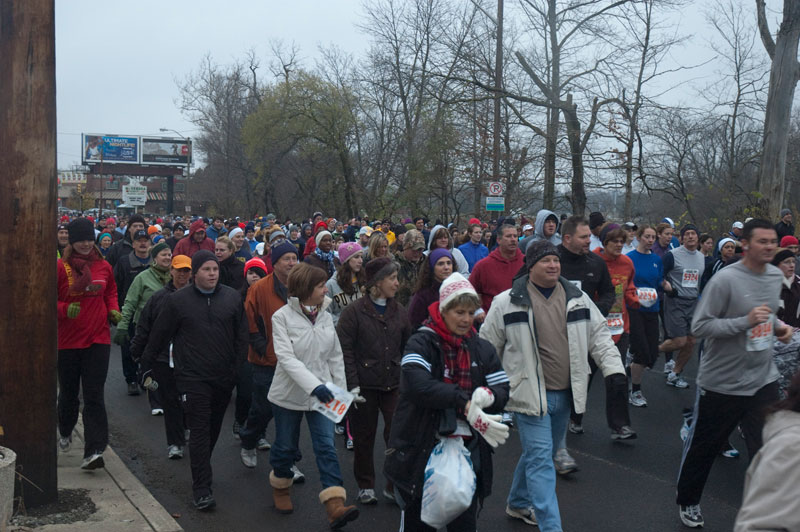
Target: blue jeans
[
  {"x": 534, "y": 483},
  {"x": 260, "y": 412},
  {"x": 287, "y": 436}
]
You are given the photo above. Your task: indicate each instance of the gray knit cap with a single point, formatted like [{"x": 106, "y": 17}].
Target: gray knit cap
[{"x": 537, "y": 251}]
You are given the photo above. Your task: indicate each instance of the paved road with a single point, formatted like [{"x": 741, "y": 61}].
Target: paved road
[{"x": 620, "y": 487}]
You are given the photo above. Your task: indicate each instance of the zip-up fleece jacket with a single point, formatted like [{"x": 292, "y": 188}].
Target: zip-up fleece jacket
[
  {"x": 308, "y": 354},
  {"x": 592, "y": 273},
  {"x": 494, "y": 274},
  {"x": 187, "y": 246},
  {"x": 142, "y": 288},
  {"x": 426, "y": 401},
  {"x": 510, "y": 326},
  {"x": 100, "y": 297},
  {"x": 208, "y": 334},
  {"x": 263, "y": 300},
  {"x": 144, "y": 325}
]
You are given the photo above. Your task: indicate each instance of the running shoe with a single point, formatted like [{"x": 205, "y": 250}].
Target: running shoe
[
  {"x": 669, "y": 366},
  {"x": 298, "y": 477},
  {"x": 564, "y": 462},
  {"x": 349, "y": 445},
  {"x": 249, "y": 458},
  {"x": 691, "y": 516},
  {"x": 367, "y": 496},
  {"x": 94, "y": 461},
  {"x": 236, "y": 428},
  {"x": 525, "y": 514},
  {"x": 206, "y": 502},
  {"x": 575, "y": 428},
  {"x": 133, "y": 388},
  {"x": 263, "y": 444},
  {"x": 64, "y": 444},
  {"x": 339, "y": 429},
  {"x": 674, "y": 379},
  {"x": 729, "y": 451},
  {"x": 157, "y": 412},
  {"x": 637, "y": 399},
  {"x": 175, "y": 452},
  {"x": 388, "y": 493},
  {"x": 624, "y": 433}
]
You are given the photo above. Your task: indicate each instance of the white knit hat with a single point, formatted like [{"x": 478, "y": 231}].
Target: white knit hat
[{"x": 454, "y": 286}]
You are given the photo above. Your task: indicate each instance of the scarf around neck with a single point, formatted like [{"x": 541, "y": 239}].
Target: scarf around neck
[
  {"x": 457, "y": 360},
  {"x": 82, "y": 265}
]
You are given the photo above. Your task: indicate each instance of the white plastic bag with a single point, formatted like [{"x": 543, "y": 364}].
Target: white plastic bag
[
  {"x": 337, "y": 408},
  {"x": 449, "y": 483}
]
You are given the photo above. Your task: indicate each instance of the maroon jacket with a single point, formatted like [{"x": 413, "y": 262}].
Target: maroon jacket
[
  {"x": 494, "y": 275},
  {"x": 187, "y": 246}
]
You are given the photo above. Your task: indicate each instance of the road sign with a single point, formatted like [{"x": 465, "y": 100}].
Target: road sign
[
  {"x": 496, "y": 188},
  {"x": 497, "y": 203},
  {"x": 134, "y": 195}
]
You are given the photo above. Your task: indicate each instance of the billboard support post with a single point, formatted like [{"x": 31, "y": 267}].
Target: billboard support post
[{"x": 170, "y": 193}]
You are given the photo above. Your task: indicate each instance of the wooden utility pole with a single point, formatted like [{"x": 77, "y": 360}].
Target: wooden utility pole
[
  {"x": 28, "y": 205},
  {"x": 498, "y": 85}
]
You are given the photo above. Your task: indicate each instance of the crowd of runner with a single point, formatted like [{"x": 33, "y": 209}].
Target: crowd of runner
[{"x": 445, "y": 332}]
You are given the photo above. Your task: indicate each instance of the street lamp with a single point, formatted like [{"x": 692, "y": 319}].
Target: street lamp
[{"x": 171, "y": 178}]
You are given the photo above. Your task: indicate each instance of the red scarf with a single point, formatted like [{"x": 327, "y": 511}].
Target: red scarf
[
  {"x": 457, "y": 361},
  {"x": 81, "y": 265}
]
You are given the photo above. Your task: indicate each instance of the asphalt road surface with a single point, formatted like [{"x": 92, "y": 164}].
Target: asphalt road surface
[{"x": 620, "y": 486}]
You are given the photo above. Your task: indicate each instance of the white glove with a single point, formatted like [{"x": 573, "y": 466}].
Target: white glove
[
  {"x": 357, "y": 398},
  {"x": 483, "y": 397},
  {"x": 489, "y": 427}
]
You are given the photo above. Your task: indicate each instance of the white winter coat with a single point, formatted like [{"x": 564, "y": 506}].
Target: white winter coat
[
  {"x": 511, "y": 327},
  {"x": 308, "y": 355}
]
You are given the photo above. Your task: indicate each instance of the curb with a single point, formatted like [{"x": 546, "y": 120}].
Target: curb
[{"x": 131, "y": 487}]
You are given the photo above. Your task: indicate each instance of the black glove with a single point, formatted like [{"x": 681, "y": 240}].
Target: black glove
[
  {"x": 322, "y": 393},
  {"x": 259, "y": 344}
]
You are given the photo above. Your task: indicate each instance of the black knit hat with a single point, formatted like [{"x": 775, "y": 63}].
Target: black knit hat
[
  {"x": 377, "y": 269},
  {"x": 80, "y": 230},
  {"x": 689, "y": 227},
  {"x": 596, "y": 219},
  {"x": 537, "y": 251},
  {"x": 200, "y": 258},
  {"x": 136, "y": 218},
  {"x": 782, "y": 255}
]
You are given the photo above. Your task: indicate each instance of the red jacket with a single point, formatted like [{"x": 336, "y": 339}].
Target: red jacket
[
  {"x": 91, "y": 325},
  {"x": 494, "y": 275},
  {"x": 622, "y": 272},
  {"x": 187, "y": 246}
]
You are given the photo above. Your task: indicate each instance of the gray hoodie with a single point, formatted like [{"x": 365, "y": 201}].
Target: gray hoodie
[{"x": 538, "y": 230}]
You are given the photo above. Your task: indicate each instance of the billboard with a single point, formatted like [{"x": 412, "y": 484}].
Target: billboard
[
  {"x": 120, "y": 149},
  {"x": 166, "y": 151}
]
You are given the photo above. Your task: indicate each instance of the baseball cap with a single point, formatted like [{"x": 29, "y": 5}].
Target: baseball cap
[
  {"x": 738, "y": 225},
  {"x": 366, "y": 230},
  {"x": 181, "y": 261},
  {"x": 527, "y": 227},
  {"x": 141, "y": 233}
]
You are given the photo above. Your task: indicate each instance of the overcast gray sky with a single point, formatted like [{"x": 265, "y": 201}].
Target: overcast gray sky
[{"x": 117, "y": 62}]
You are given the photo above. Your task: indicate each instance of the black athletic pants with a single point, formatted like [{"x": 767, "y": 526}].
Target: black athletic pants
[
  {"x": 168, "y": 394},
  {"x": 617, "y": 414}
]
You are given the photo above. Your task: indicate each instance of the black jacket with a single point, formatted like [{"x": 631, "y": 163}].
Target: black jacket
[
  {"x": 426, "y": 400},
  {"x": 784, "y": 229},
  {"x": 120, "y": 249},
  {"x": 231, "y": 272},
  {"x": 147, "y": 319},
  {"x": 592, "y": 272},
  {"x": 208, "y": 334},
  {"x": 125, "y": 270}
]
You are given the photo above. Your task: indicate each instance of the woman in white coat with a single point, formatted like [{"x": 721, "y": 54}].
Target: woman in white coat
[{"x": 309, "y": 355}]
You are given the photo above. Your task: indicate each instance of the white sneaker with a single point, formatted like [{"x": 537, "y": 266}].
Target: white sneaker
[
  {"x": 64, "y": 444},
  {"x": 94, "y": 461},
  {"x": 298, "y": 477},
  {"x": 249, "y": 458},
  {"x": 564, "y": 462},
  {"x": 175, "y": 452},
  {"x": 669, "y": 366},
  {"x": 691, "y": 516},
  {"x": 157, "y": 412},
  {"x": 263, "y": 445},
  {"x": 637, "y": 399},
  {"x": 525, "y": 514},
  {"x": 367, "y": 496},
  {"x": 674, "y": 379}
]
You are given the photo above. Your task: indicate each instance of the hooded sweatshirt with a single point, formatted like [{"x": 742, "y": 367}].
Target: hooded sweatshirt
[
  {"x": 187, "y": 246},
  {"x": 538, "y": 230},
  {"x": 461, "y": 266},
  {"x": 494, "y": 275}
]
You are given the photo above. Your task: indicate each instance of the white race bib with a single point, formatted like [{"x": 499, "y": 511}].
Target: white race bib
[
  {"x": 690, "y": 279},
  {"x": 761, "y": 336},
  {"x": 616, "y": 325},
  {"x": 647, "y": 296},
  {"x": 337, "y": 407}
]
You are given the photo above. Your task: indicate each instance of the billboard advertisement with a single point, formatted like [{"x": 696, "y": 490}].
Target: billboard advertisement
[
  {"x": 166, "y": 151},
  {"x": 120, "y": 149}
]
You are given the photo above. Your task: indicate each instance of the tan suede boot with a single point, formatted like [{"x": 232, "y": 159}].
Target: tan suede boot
[
  {"x": 338, "y": 514},
  {"x": 281, "y": 493}
]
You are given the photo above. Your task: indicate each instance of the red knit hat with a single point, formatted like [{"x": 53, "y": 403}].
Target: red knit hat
[
  {"x": 788, "y": 240},
  {"x": 255, "y": 263},
  {"x": 474, "y": 221},
  {"x": 321, "y": 226}
]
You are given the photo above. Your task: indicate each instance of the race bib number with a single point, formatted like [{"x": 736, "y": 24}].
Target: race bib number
[
  {"x": 760, "y": 337},
  {"x": 616, "y": 325},
  {"x": 578, "y": 284},
  {"x": 647, "y": 296},
  {"x": 337, "y": 407},
  {"x": 691, "y": 278}
]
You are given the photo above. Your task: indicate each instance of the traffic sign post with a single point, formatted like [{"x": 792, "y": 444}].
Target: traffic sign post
[
  {"x": 496, "y": 203},
  {"x": 496, "y": 188}
]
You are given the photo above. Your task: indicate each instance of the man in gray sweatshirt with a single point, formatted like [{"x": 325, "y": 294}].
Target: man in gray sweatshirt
[
  {"x": 737, "y": 376},
  {"x": 683, "y": 268}
]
